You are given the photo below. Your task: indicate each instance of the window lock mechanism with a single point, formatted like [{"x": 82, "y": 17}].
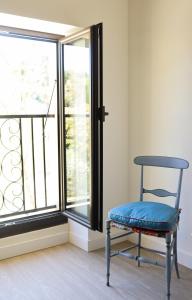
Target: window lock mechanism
[{"x": 102, "y": 113}]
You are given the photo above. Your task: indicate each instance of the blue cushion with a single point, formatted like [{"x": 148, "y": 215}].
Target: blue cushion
[{"x": 145, "y": 214}]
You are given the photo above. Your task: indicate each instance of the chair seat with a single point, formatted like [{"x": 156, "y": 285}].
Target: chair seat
[{"x": 145, "y": 214}]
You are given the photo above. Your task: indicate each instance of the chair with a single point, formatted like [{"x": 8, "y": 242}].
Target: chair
[{"x": 147, "y": 217}]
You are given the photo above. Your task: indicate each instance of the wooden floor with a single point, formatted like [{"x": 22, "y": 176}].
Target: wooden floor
[{"x": 66, "y": 272}]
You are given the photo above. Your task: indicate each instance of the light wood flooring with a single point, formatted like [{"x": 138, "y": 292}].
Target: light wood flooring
[{"x": 69, "y": 273}]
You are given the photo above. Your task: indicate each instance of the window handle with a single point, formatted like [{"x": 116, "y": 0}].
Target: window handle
[{"x": 102, "y": 113}]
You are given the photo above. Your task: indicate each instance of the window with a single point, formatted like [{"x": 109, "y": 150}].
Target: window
[
  {"x": 82, "y": 77},
  {"x": 51, "y": 125}
]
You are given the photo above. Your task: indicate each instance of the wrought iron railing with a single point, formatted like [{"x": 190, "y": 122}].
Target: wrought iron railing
[{"x": 23, "y": 165}]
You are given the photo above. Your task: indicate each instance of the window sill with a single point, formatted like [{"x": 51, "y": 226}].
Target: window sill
[{"x": 25, "y": 225}]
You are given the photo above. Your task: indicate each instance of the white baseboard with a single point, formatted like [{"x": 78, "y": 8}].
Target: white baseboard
[
  {"x": 93, "y": 244},
  {"x": 78, "y": 235},
  {"x": 33, "y": 241},
  {"x": 185, "y": 258},
  {"x": 99, "y": 243},
  {"x": 78, "y": 241}
]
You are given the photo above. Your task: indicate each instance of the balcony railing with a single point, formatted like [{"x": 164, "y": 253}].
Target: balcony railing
[{"x": 26, "y": 160}]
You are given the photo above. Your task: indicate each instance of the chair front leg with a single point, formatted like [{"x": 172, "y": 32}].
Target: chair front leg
[
  {"x": 168, "y": 263},
  {"x": 108, "y": 249},
  {"x": 139, "y": 249}
]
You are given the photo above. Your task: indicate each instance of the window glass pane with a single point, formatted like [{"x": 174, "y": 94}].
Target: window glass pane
[
  {"x": 78, "y": 125},
  {"x": 27, "y": 75},
  {"x": 28, "y": 127}
]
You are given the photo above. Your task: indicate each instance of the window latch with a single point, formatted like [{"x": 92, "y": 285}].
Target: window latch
[{"x": 102, "y": 113}]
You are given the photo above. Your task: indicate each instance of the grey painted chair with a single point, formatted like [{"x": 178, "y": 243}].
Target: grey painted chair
[{"x": 148, "y": 217}]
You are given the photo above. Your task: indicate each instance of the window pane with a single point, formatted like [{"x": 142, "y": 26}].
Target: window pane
[
  {"x": 28, "y": 127},
  {"x": 78, "y": 125}
]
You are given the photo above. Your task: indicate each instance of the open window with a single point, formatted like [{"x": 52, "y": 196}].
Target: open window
[
  {"x": 81, "y": 77},
  {"x": 51, "y": 125}
]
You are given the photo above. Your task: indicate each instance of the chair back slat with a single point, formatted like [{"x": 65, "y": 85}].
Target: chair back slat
[
  {"x": 160, "y": 193},
  {"x": 162, "y": 161}
]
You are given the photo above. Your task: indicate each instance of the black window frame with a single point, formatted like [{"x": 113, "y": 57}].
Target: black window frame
[
  {"x": 98, "y": 117},
  {"x": 49, "y": 219}
]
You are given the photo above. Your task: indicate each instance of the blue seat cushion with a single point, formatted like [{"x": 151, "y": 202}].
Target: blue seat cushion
[{"x": 145, "y": 214}]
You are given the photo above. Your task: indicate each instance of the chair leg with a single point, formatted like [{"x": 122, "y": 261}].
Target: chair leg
[
  {"x": 168, "y": 263},
  {"x": 175, "y": 254},
  {"x": 139, "y": 248},
  {"x": 108, "y": 250}
]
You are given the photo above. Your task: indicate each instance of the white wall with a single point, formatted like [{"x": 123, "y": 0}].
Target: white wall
[
  {"x": 160, "y": 96},
  {"x": 114, "y": 15}
]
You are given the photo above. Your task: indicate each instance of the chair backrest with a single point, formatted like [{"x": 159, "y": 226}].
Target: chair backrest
[{"x": 164, "y": 162}]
